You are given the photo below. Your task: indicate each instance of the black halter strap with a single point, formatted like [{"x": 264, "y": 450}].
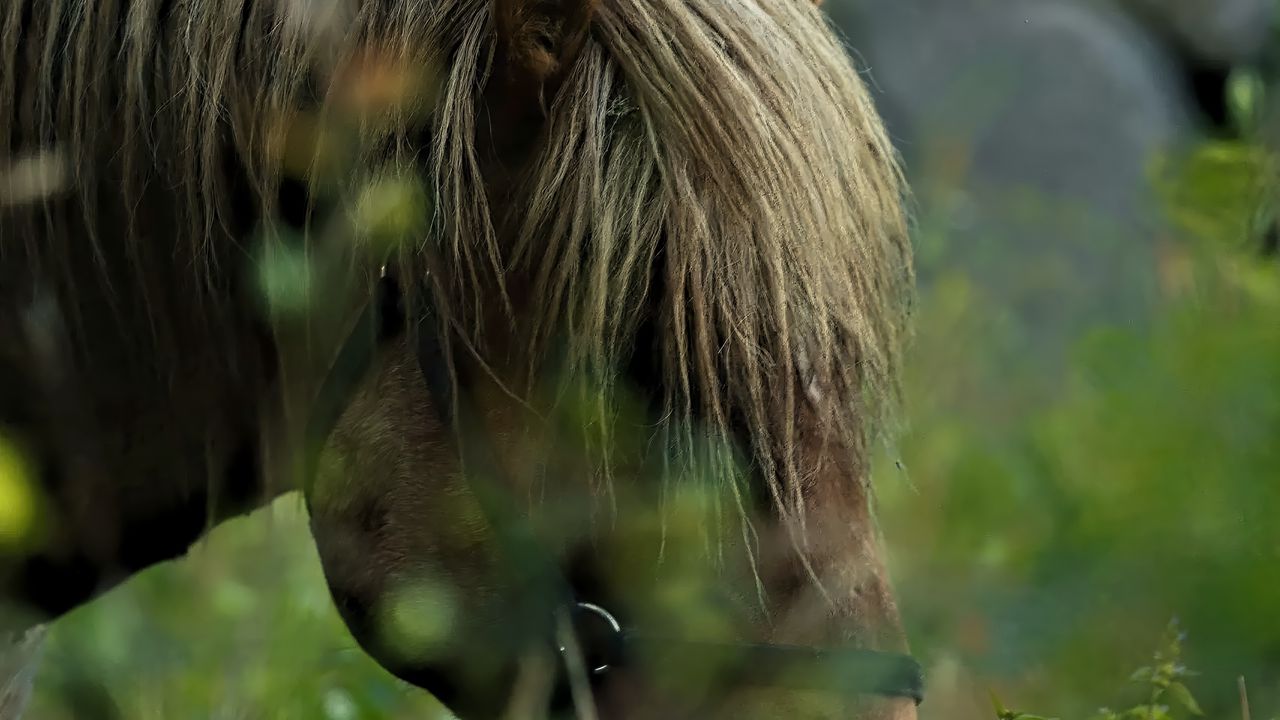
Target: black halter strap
[{"x": 544, "y": 592}]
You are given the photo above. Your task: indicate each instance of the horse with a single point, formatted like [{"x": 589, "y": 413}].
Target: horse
[{"x": 657, "y": 252}]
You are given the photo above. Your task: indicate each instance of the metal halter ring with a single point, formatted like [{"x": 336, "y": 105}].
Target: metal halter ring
[{"x": 599, "y": 634}]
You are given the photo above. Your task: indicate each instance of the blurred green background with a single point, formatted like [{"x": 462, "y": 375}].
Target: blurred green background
[
  {"x": 1046, "y": 513},
  {"x": 1048, "y": 523}
]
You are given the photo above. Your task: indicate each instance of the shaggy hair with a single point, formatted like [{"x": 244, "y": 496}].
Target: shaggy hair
[{"x": 714, "y": 166}]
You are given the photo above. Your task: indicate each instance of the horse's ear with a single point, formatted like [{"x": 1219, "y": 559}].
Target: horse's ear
[{"x": 538, "y": 42}]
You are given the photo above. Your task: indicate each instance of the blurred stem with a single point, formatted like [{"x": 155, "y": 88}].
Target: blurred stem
[{"x": 1244, "y": 698}]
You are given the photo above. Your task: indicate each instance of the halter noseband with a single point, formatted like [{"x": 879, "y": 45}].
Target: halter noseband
[{"x": 606, "y": 645}]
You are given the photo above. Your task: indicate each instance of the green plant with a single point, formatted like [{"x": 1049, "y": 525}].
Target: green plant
[{"x": 1165, "y": 695}]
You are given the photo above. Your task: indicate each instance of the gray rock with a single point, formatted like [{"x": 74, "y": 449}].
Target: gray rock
[
  {"x": 1029, "y": 129},
  {"x": 1222, "y": 32}
]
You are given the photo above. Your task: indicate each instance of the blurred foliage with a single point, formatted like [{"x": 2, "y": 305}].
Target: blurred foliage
[
  {"x": 243, "y": 628},
  {"x": 1051, "y": 519},
  {"x": 17, "y": 499}
]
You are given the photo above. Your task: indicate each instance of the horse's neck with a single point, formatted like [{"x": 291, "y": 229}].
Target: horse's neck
[{"x": 135, "y": 391}]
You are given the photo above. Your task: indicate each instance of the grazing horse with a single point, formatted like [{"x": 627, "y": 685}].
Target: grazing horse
[{"x": 653, "y": 252}]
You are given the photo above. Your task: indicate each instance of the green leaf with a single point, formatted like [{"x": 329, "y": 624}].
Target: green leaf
[
  {"x": 1246, "y": 92},
  {"x": 1002, "y": 712},
  {"x": 1182, "y": 695},
  {"x": 1215, "y": 193},
  {"x": 393, "y": 210},
  {"x": 18, "y": 494},
  {"x": 1142, "y": 674},
  {"x": 285, "y": 274}
]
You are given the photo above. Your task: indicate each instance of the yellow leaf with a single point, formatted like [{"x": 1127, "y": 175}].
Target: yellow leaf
[{"x": 17, "y": 494}]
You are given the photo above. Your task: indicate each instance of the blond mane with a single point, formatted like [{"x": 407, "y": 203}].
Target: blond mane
[{"x": 727, "y": 143}]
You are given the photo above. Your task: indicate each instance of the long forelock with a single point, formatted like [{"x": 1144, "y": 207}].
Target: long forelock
[{"x": 732, "y": 147}]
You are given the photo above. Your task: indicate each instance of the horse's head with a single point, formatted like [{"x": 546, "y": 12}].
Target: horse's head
[
  {"x": 635, "y": 353},
  {"x": 662, "y": 294}
]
